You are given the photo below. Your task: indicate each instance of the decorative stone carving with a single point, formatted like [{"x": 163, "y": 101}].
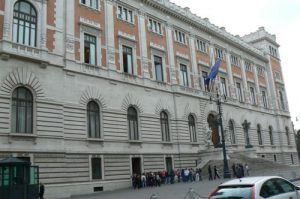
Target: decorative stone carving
[
  {"x": 92, "y": 93},
  {"x": 131, "y": 100}
]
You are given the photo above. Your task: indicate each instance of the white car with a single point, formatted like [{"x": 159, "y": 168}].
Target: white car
[{"x": 272, "y": 187}]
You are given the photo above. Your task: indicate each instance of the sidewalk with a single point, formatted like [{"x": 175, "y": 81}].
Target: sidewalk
[{"x": 169, "y": 191}]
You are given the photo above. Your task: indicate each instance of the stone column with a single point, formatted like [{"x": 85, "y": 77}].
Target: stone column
[
  {"x": 194, "y": 62},
  {"x": 171, "y": 57},
  {"x": 110, "y": 32},
  {"x": 143, "y": 45},
  {"x": 258, "y": 98},
  {"x": 231, "y": 85},
  {"x": 245, "y": 83}
]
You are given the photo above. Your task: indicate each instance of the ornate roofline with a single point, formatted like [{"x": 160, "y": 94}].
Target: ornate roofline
[{"x": 187, "y": 16}]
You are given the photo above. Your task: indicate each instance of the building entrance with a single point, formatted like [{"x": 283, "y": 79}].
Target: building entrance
[{"x": 136, "y": 165}]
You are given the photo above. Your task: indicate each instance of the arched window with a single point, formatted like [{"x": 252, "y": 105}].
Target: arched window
[
  {"x": 259, "y": 135},
  {"x": 93, "y": 116},
  {"x": 132, "y": 119},
  {"x": 22, "y": 111},
  {"x": 281, "y": 100},
  {"x": 25, "y": 23},
  {"x": 231, "y": 132},
  {"x": 192, "y": 128},
  {"x": 271, "y": 135},
  {"x": 164, "y": 122},
  {"x": 287, "y": 133}
]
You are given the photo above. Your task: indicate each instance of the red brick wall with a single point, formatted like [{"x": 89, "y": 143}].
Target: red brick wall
[
  {"x": 51, "y": 17},
  {"x": 93, "y": 15},
  {"x": 250, "y": 75},
  {"x": 50, "y": 39},
  {"x": 2, "y": 6},
  {"x": 132, "y": 29},
  {"x": 261, "y": 80},
  {"x": 236, "y": 70}
]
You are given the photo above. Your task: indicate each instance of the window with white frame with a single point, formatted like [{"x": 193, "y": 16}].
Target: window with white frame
[
  {"x": 125, "y": 14},
  {"x": 281, "y": 100},
  {"x": 192, "y": 128},
  {"x": 239, "y": 91},
  {"x": 260, "y": 142},
  {"x": 96, "y": 164},
  {"x": 223, "y": 86},
  {"x": 155, "y": 26},
  {"x": 264, "y": 98},
  {"x": 158, "y": 68},
  {"x": 24, "y": 23},
  {"x": 90, "y": 49},
  {"x": 22, "y": 111},
  {"x": 219, "y": 53},
  {"x": 132, "y": 119},
  {"x": 273, "y": 51},
  {"x": 128, "y": 60},
  {"x": 164, "y": 123},
  {"x": 248, "y": 66},
  {"x": 271, "y": 135},
  {"x": 252, "y": 96},
  {"x": 234, "y": 60},
  {"x": 260, "y": 71},
  {"x": 93, "y": 119},
  {"x": 201, "y": 45},
  {"x": 204, "y": 76},
  {"x": 180, "y": 37},
  {"x": 184, "y": 75},
  {"x": 90, "y": 3}
]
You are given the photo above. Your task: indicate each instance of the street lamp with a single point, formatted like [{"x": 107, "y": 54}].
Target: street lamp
[{"x": 220, "y": 122}]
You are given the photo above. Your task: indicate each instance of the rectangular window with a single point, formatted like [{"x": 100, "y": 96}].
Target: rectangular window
[
  {"x": 127, "y": 60},
  {"x": 273, "y": 51},
  {"x": 125, "y": 14},
  {"x": 96, "y": 168},
  {"x": 239, "y": 91},
  {"x": 248, "y": 66},
  {"x": 223, "y": 86},
  {"x": 234, "y": 60},
  {"x": 260, "y": 71},
  {"x": 90, "y": 49},
  {"x": 219, "y": 53},
  {"x": 202, "y": 46},
  {"x": 184, "y": 75},
  {"x": 252, "y": 96},
  {"x": 204, "y": 76},
  {"x": 158, "y": 68},
  {"x": 90, "y": 3},
  {"x": 264, "y": 99},
  {"x": 180, "y": 37},
  {"x": 155, "y": 26}
]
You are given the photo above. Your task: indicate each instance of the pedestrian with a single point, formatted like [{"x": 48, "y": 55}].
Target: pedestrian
[
  {"x": 42, "y": 190},
  {"x": 209, "y": 173},
  {"x": 216, "y": 172},
  {"x": 247, "y": 169}
]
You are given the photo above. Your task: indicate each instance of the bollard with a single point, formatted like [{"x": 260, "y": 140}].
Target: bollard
[{"x": 153, "y": 196}]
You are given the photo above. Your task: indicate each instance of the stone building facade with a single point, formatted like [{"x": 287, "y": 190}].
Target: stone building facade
[{"x": 93, "y": 91}]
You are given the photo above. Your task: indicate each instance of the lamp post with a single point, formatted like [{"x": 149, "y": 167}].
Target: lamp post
[{"x": 220, "y": 122}]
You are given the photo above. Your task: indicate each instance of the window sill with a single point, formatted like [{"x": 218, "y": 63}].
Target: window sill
[
  {"x": 90, "y": 65},
  {"x": 182, "y": 44},
  {"x": 28, "y": 135},
  {"x": 200, "y": 51},
  {"x": 156, "y": 33},
  {"x": 167, "y": 142},
  {"x": 127, "y": 22},
  {"x": 135, "y": 141},
  {"x": 97, "y": 10},
  {"x": 95, "y": 139}
]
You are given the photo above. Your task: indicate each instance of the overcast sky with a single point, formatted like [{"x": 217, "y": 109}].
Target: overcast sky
[{"x": 279, "y": 17}]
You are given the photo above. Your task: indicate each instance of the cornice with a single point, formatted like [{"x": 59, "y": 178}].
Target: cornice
[{"x": 185, "y": 15}]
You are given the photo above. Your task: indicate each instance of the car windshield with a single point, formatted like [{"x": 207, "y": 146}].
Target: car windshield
[{"x": 233, "y": 192}]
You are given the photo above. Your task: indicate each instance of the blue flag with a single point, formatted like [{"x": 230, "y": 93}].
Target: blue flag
[{"x": 213, "y": 73}]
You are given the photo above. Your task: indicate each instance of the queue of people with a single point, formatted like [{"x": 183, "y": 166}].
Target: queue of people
[{"x": 154, "y": 179}]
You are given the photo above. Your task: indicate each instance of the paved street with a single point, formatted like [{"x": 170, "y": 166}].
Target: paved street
[{"x": 175, "y": 191}]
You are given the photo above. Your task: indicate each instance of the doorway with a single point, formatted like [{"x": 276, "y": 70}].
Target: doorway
[{"x": 136, "y": 166}]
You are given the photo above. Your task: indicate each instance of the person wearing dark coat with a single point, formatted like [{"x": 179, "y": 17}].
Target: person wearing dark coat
[
  {"x": 209, "y": 173},
  {"x": 216, "y": 174},
  {"x": 42, "y": 191}
]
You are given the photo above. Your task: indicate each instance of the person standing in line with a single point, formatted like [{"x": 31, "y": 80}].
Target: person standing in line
[
  {"x": 216, "y": 173},
  {"x": 209, "y": 173},
  {"x": 42, "y": 191},
  {"x": 247, "y": 169}
]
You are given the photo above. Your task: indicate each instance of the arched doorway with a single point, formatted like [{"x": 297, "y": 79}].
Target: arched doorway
[{"x": 212, "y": 120}]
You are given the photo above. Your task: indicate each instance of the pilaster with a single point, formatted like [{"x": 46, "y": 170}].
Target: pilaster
[
  {"x": 110, "y": 39},
  {"x": 143, "y": 45},
  {"x": 258, "y": 98},
  {"x": 70, "y": 29},
  {"x": 195, "y": 73},
  {"x": 245, "y": 84},
  {"x": 231, "y": 85},
  {"x": 171, "y": 57}
]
